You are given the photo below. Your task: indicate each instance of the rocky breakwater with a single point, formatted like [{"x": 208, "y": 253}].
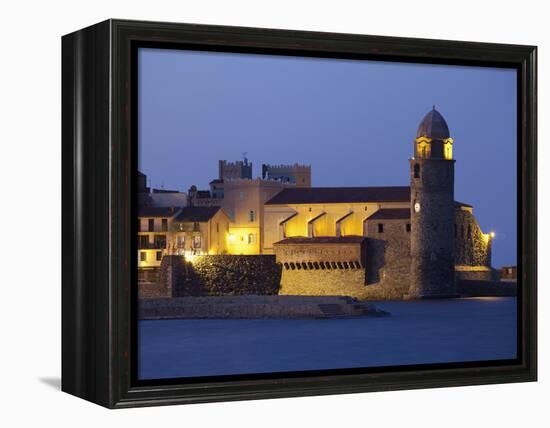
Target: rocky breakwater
[{"x": 250, "y": 307}]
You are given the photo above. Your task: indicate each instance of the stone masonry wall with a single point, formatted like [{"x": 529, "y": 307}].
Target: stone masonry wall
[
  {"x": 230, "y": 274},
  {"x": 334, "y": 282},
  {"x": 432, "y": 246},
  {"x": 388, "y": 259},
  {"x": 153, "y": 290},
  {"x": 472, "y": 247},
  {"x": 388, "y": 256}
]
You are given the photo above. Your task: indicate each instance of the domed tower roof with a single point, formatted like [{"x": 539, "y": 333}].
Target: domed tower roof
[{"x": 433, "y": 126}]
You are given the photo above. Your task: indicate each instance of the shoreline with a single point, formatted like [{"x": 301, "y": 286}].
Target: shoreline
[{"x": 256, "y": 307}]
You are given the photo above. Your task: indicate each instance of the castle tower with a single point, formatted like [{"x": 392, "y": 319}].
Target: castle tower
[{"x": 432, "y": 210}]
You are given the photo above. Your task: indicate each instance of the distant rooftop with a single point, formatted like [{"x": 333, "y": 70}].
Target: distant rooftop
[
  {"x": 203, "y": 194},
  {"x": 165, "y": 191},
  {"x": 146, "y": 211},
  {"x": 335, "y": 195},
  {"x": 391, "y": 214},
  {"x": 319, "y": 195},
  {"x": 196, "y": 214}
]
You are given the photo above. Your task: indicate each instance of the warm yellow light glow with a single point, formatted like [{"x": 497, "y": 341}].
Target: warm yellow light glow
[
  {"x": 243, "y": 240},
  {"x": 492, "y": 234},
  {"x": 191, "y": 258},
  {"x": 448, "y": 151},
  {"x": 423, "y": 149},
  {"x": 423, "y": 140}
]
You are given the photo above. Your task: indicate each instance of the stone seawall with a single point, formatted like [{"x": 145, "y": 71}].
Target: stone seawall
[
  {"x": 232, "y": 274},
  {"x": 247, "y": 307},
  {"x": 215, "y": 275},
  {"x": 153, "y": 290},
  {"x": 335, "y": 282},
  {"x": 260, "y": 275},
  {"x": 476, "y": 273}
]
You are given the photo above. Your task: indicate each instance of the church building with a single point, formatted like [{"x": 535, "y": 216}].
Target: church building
[{"x": 411, "y": 241}]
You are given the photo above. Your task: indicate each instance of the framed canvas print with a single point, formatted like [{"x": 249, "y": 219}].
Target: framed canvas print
[{"x": 253, "y": 213}]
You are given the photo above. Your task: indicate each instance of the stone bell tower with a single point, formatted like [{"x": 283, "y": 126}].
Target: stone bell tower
[{"x": 432, "y": 210}]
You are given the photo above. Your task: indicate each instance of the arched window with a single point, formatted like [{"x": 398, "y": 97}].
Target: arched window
[
  {"x": 448, "y": 149},
  {"x": 423, "y": 150},
  {"x": 416, "y": 170}
]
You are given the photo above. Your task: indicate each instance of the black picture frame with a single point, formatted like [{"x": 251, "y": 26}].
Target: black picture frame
[{"x": 99, "y": 200}]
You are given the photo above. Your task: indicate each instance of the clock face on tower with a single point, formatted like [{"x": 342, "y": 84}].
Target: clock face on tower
[{"x": 416, "y": 206}]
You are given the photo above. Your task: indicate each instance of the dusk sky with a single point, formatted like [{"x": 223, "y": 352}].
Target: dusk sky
[{"x": 353, "y": 121}]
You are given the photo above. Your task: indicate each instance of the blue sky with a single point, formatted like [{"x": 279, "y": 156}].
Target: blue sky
[{"x": 353, "y": 121}]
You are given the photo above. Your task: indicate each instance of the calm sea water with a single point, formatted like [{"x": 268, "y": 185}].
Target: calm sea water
[{"x": 418, "y": 332}]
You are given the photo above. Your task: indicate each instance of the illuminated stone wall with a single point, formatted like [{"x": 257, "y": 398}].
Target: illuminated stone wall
[
  {"x": 382, "y": 272},
  {"x": 472, "y": 246},
  {"x": 472, "y": 249},
  {"x": 388, "y": 259},
  {"x": 334, "y": 282},
  {"x": 228, "y": 275}
]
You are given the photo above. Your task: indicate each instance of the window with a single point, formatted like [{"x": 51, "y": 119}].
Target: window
[
  {"x": 143, "y": 241},
  {"x": 251, "y": 238},
  {"x": 252, "y": 216},
  {"x": 408, "y": 227},
  {"x": 159, "y": 256},
  {"x": 448, "y": 151},
  {"x": 423, "y": 150},
  {"x": 197, "y": 241},
  {"x": 242, "y": 195},
  {"x": 217, "y": 227},
  {"x": 142, "y": 256},
  {"x": 151, "y": 225},
  {"x": 180, "y": 241},
  {"x": 164, "y": 227},
  {"x": 196, "y": 227},
  {"x": 416, "y": 170},
  {"x": 462, "y": 231},
  {"x": 160, "y": 241},
  {"x": 380, "y": 228}
]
